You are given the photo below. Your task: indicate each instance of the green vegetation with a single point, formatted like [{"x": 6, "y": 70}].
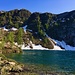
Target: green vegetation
[
  {"x": 41, "y": 23},
  {"x": 60, "y": 27},
  {"x": 19, "y": 37},
  {"x": 10, "y": 37},
  {"x": 7, "y": 40},
  {"x": 14, "y": 18},
  {"x": 2, "y": 44},
  {"x": 57, "y": 26}
]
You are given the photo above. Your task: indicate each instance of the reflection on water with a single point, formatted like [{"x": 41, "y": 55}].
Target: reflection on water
[{"x": 56, "y": 60}]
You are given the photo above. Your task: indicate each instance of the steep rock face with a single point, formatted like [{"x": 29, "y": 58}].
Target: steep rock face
[{"x": 65, "y": 30}]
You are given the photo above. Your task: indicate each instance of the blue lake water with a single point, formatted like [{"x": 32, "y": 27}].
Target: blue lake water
[{"x": 57, "y": 60}]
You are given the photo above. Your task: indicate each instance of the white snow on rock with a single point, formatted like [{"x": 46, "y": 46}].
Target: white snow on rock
[
  {"x": 14, "y": 29},
  {"x": 57, "y": 48},
  {"x": 25, "y": 28},
  {"x": 24, "y": 48},
  {"x": 57, "y": 45},
  {"x": 5, "y": 29},
  {"x": 35, "y": 47},
  {"x": 64, "y": 45},
  {"x": 38, "y": 47}
]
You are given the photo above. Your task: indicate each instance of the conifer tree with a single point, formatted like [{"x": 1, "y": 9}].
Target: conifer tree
[
  {"x": 19, "y": 37},
  {"x": 10, "y": 37}
]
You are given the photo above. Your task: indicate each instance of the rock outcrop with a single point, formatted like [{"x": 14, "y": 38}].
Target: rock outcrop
[{"x": 8, "y": 66}]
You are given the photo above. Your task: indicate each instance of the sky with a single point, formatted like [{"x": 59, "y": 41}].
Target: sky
[{"x": 52, "y": 6}]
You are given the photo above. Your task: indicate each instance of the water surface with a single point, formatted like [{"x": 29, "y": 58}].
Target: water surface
[{"x": 56, "y": 60}]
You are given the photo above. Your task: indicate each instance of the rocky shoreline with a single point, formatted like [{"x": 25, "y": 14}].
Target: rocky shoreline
[{"x": 8, "y": 66}]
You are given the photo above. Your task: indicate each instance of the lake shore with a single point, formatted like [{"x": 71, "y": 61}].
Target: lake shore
[
  {"x": 39, "y": 47},
  {"x": 11, "y": 67},
  {"x": 43, "y": 62}
]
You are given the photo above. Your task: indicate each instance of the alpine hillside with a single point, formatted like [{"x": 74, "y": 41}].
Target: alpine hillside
[{"x": 39, "y": 28}]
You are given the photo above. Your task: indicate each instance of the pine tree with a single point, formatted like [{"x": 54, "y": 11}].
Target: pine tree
[
  {"x": 2, "y": 43},
  {"x": 19, "y": 37},
  {"x": 10, "y": 37}
]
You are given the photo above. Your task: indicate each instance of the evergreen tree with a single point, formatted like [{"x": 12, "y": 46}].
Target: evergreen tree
[
  {"x": 19, "y": 37},
  {"x": 10, "y": 37},
  {"x": 2, "y": 43},
  {"x": 46, "y": 26}
]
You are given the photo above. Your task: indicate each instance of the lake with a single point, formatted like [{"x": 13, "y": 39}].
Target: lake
[{"x": 57, "y": 60}]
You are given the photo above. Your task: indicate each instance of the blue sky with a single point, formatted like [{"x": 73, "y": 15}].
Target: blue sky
[{"x": 53, "y": 6}]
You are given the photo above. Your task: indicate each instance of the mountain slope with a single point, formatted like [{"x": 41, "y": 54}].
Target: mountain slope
[
  {"x": 57, "y": 26},
  {"x": 60, "y": 26},
  {"x": 14, "y": 18}
]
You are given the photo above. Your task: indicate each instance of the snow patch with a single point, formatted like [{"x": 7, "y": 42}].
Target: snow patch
[
  {"x": 38, "y": 47},
  {"x": 35, "y": 47},
  {"x": 64, "y": 45},
  {"x": 14, "y": 29},
  {"x": 57, "y": 48},
  {"x": 24, "y": 48},
  {"x": 25, "y": 28},
  {"x": 5, "y": 29}
]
